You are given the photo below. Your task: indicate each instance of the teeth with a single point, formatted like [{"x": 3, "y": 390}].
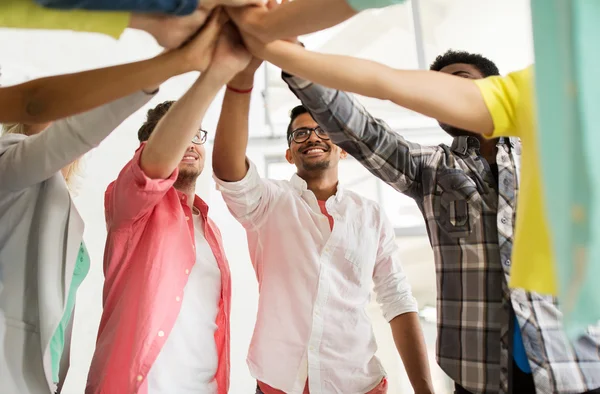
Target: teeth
[{"x": 315, "y": 150}]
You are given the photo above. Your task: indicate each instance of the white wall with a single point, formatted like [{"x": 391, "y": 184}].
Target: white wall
[{"x": 498, "y": 29}]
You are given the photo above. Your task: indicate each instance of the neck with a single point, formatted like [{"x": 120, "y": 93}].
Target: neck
[
  {"x": 322, "y": 184},
  {"x": 488, "y": 149},
  {"x": 189, "y": 189}
]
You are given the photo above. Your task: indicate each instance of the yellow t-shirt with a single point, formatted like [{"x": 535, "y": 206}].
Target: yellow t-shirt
[
  {"x": 26, "y": 14},
  {"x": 511, "y": 101}
]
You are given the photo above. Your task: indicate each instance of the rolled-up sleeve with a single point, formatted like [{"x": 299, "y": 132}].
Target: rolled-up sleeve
[
  {"x": 133, "y": 193},
  {"x": 393, "y": 291},
  {"x": 248, "y": 199}
]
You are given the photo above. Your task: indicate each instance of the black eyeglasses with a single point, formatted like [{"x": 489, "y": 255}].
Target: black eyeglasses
[
  {"x": 302, "y": 134},
  {"x": 200, "y": 137}
]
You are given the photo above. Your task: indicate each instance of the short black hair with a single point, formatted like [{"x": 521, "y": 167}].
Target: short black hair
[
  {"x": 482, "y": 63},
  {"x": 153, "y": 116},
  {"x": 294, "y": 113}
]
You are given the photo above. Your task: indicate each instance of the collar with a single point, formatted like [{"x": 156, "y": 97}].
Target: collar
[
  {"x": 199, "y": 203},
  {"x": 300, "y": 186},
  {"x": 464, "y": 143}
]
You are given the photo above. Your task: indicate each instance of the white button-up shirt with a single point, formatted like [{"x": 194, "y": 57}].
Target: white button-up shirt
[{"x": 315, "y": 283}]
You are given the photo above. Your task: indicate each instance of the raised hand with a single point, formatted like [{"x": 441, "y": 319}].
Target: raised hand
[
  {"x": 231, "y": 55},
  {"x": 170, "y": 31},
  {"x": 199, "y": 51},
  {"x": 250, "y": 20}
]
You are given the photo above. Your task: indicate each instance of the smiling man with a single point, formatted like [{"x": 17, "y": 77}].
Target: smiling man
[
  {"x": 317, "y": 249},
  {"x": 167, "y": 289}
]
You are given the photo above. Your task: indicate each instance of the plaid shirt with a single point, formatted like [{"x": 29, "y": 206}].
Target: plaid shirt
[{"x": 470, "y": 219}]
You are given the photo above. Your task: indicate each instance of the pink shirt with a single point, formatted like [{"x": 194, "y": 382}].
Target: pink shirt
[{"x": 149, "y": 254}]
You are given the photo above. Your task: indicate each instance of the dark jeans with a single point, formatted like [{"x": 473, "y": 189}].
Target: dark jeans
[{"x": 172, "y": 7}]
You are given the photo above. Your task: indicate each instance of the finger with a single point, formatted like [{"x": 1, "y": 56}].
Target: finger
[
  {"x": 271, "y": 4},
  {"x": 217, "y": 19}
]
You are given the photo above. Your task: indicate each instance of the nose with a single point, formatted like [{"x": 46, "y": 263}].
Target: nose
[{"x": 313, "y": 138}]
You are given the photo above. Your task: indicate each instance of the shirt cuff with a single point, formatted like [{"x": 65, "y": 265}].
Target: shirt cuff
[
  {"x": 146, "y": 183},
  {"x": 251, "y": 179},
  {"x": 295, "y": 82},
  {"x": 406, "y": 304}
]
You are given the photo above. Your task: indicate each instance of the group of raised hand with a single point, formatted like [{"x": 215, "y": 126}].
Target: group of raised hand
[{"x": 189, "y": 41}]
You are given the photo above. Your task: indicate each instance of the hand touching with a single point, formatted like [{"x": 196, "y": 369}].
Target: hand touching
[
  {"x": 231, "y": 56},
  {"x": 169, "y": 31},
  {"x": 251, "y": 20},
  {"x": 198, "y": 53}
]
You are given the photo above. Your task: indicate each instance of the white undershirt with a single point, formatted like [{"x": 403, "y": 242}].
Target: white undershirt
[{"x": 188, "y": 361}]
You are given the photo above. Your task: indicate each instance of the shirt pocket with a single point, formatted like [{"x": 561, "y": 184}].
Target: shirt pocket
[
  {"x": 457, "y": 203},
  {"x": 360, "y": 246}
]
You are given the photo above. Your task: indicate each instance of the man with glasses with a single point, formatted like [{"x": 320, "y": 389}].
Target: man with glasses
[
  {"x": 167, "y": 290},
  {"x": 316, "y": 248}
]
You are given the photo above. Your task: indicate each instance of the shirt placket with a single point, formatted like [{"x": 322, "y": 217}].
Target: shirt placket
[
  {"x": 505, "y": 222},
  {"x": 169, "y": 322},
  {"x": 317, "y": 327}
]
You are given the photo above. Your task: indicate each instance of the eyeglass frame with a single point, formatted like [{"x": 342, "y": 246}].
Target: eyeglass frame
[
  {"x": 292, "y": 136},
  {"x": 204, "y": 135}
]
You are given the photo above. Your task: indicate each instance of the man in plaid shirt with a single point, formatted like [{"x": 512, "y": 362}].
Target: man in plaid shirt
[{"x": 491, "y": 339}]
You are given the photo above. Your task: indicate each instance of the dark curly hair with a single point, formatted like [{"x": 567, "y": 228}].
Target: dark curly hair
[
  {"x": 294, "y": 113},
  {"x": 152, "y": 118},
  {"x": 483, "y": 64}
]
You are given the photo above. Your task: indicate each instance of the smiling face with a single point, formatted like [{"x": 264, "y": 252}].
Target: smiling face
[
  {"x": 192, "y": 163},
  {"x": 315, "y": 154}
]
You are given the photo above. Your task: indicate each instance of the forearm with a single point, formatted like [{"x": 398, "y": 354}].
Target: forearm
[
  {"x": 47, "y": 99},
  {"x": 176, "y": 129},
  {"x": 410, "y": 343},
  {"x": 28, "y": 15},
  {"x": 231, "y": 139},
  {"x": 299, "y": 17},
  {"x": 40, "y": 156},
  {"x": 449, "y": 99}
]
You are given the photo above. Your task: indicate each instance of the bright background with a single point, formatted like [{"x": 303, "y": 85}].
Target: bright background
[{"x": 404, "y": 36}]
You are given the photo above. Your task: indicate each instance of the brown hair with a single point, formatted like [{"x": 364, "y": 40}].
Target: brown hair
[{"x": 153, "y": 116}]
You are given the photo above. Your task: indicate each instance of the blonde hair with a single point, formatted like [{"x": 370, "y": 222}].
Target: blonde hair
[{"x": 73, "y": 169}]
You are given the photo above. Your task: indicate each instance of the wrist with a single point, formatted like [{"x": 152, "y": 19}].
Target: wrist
[
  {"x": 178, "y": 60},
  {"x": 242, "y": 82},
  {"x": 219, "y": 74}
]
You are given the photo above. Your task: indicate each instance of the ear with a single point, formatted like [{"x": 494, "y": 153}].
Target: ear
[
  {"x": 288, "y": 156},
  {"x": 343, "y": 154}
]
